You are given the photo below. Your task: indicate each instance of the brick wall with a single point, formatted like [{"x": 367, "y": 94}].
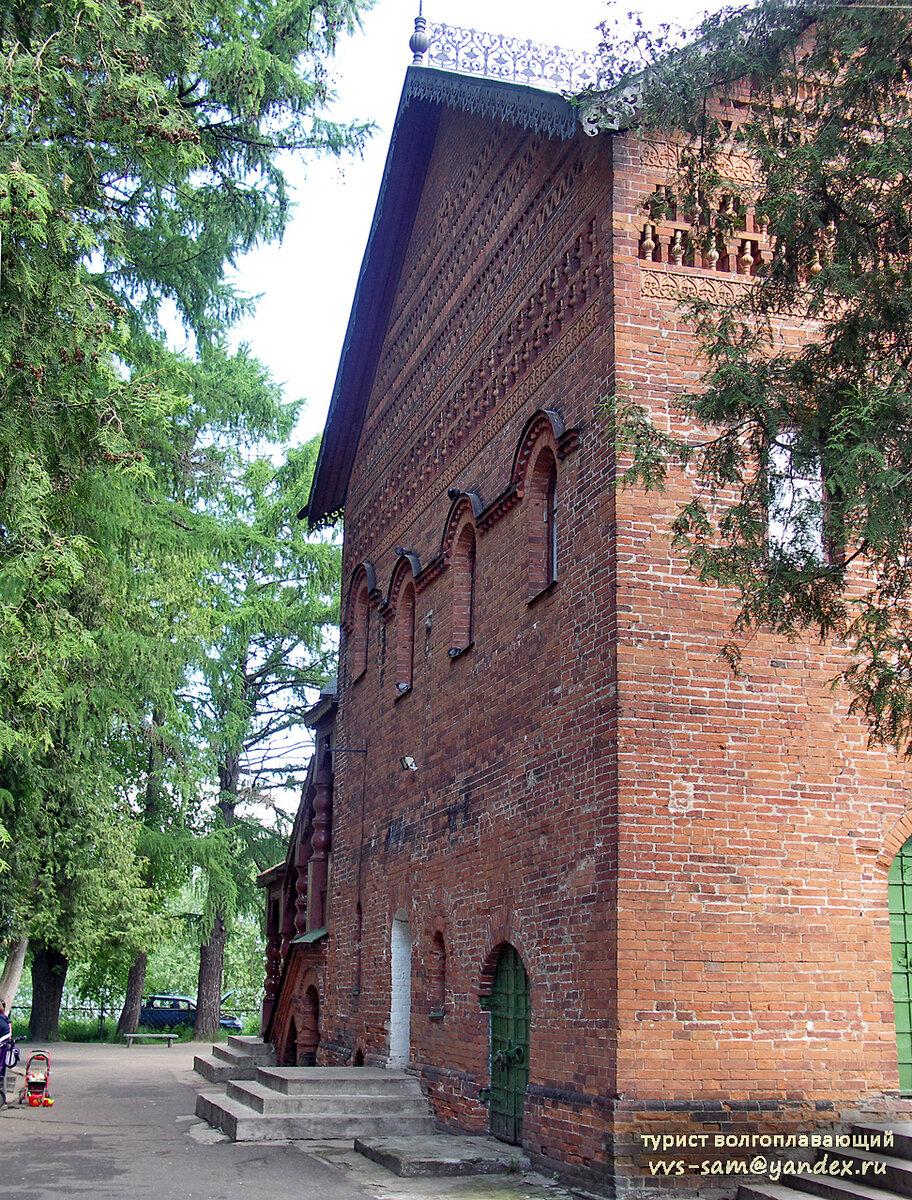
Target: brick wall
[
  {"x": 685, "y": 860},
  {"x": 753, "y": 938}
]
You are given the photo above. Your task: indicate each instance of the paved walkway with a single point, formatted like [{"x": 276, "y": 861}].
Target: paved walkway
[{"x": 122, "y": 1127}]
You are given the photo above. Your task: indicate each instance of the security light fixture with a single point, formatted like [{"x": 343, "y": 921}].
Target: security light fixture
[
  {"x": 455, "y": 651},
  {"x": 402, "y": 688},
  {"x": 407, "y": 763}
]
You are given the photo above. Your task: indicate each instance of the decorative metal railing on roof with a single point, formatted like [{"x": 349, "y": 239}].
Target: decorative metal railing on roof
[{"x": 469, "y": 52}]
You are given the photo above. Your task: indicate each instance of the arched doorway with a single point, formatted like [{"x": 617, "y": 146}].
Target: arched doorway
[
  {"x": 510, "y": 1017},
  {"x": 288, "y": 1056},
  {"x": 400, "y": 990},
  {"x": 309, "y": 1037},
  {"x": 900, "y": 898}
]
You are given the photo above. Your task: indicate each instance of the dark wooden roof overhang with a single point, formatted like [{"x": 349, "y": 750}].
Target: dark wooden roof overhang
[{"x": 427, "y": 92}]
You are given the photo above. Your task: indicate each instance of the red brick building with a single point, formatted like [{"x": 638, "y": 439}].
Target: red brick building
[{"x": 582, "y": 879}]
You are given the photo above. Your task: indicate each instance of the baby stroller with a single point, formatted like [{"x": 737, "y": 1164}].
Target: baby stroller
[
  {"x": 9, "y": 1058},
  {"x": 37, "y": 1077}
]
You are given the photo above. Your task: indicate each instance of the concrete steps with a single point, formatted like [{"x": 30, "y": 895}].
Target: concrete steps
[
  {"x": 318, "y": 1102},
  {"x": 442, "y": 1155},
  {"x": 239, "y": 1059},
  {"x": 878, "y": 1174}
]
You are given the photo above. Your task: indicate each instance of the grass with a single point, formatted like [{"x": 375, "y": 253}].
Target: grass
[{"x": 90, "y": 1029}]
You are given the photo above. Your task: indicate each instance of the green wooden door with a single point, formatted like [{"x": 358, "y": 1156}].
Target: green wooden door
[
  {"x": 510, "y": 1010},
  {"x": 900, "y": 893}
]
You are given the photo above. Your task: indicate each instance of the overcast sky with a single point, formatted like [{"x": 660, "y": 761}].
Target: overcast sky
[{"x": 307, "y": 284}]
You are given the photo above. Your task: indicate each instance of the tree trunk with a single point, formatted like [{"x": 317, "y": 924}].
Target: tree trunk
[
  {"x": 49, "y": 968},
  {"x": 136, "y": 981},
  {"x": 12, "y": 973},
  {"x": 209, "y": 988},
  {"x": 212, "y": 953}
]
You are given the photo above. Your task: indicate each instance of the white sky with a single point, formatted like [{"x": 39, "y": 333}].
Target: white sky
[{"x": 307, "y": 284}]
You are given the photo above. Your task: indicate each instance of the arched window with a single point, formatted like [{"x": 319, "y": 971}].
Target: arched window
[
  {"x": 405, "y": 638},
  {"x": 437, "y": 977},
  {"x": 463, "y": 574},
  {"x": 542, "y": 522},
  {"x": 359, "y": 633}
]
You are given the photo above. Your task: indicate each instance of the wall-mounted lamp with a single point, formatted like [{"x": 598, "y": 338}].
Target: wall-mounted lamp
[
  {"x": 407, "y": 763},
  {"x": 402, "y": 688}
]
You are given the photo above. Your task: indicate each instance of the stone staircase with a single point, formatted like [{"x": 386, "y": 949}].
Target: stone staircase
[
  {"x": 318, "y": 1102},
  {"x": 876, "y": 1174},
  {"x": 239, "y": 1059}
]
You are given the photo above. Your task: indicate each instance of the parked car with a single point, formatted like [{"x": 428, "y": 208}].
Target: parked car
[{"x": 172, "y": 1012}]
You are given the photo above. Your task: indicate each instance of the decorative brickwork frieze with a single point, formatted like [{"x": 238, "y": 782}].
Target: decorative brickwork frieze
[
  {"x": 676, "y": 286},
  {"x": 531, "y": 273},
  {"x": 452, "y": 457}
]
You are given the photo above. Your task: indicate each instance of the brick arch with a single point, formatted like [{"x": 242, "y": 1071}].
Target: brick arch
[
  {"x": 356, "y": 623},
  {"x": 467, "y": 506},
  {"x": 502, "y": 932},
  {"x": 543, "y": 428},
  {"x": 407, "y": 568},
  {"x": 399, "y": 899},
  {"x": 489, "y": 965},
  {"x": 363, "y": 574},
  {"x": 896, "y": 836}
]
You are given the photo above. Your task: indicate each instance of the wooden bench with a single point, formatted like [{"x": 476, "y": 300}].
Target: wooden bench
[{"x": 170, "y": 1038}]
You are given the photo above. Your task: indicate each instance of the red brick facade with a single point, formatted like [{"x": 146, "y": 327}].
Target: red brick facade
[{"x": 691, "y": 865}]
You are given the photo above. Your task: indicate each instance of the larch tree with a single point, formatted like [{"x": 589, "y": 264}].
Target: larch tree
[{"x": 276, "y": 603}]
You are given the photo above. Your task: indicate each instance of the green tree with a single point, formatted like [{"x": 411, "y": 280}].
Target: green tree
[
  {"x": 139, "y": 146},
  {"x": 803, "y": 499},
  {"x": 139, "y": 156},
  {"x": 76, "y": 879},
  {"x": 275, "y": 601}
]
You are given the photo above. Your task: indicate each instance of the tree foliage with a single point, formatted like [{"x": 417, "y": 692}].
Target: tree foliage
[
  {"x": 803, "y": 498},
  {"x": 273, "y": 601},
  {"x": 139, "y": 146},
  {"x": 140, "y": 155}
]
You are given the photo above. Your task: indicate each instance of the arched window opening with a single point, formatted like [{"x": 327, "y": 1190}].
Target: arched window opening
[
  {"x": 463, "y": 573},
  {"x": 542, "y": 523},
  {"x": 360, "y": 632},
  {"x": 405, "y": 639},
  {"x": 437, "y": 977},
  {"x": 551, "y": 525}
]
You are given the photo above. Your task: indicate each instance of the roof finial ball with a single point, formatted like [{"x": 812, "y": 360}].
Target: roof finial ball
[{"x": 419, "y": 41}]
